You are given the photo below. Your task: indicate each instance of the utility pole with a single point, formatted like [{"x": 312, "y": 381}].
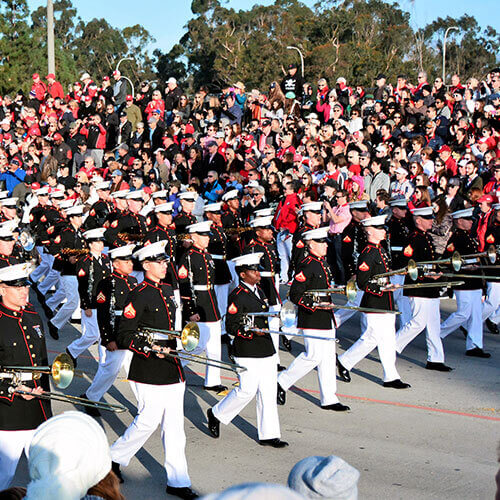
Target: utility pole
[
  {"x": 444, "y": 50},
  {"x": 50, "y": 37}
]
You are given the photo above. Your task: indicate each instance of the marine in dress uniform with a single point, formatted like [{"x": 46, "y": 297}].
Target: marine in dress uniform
[
  {"x": 269, "y": 273},
  {"x": 314, "y": 273},
  {"x": 424, "y": 302},
  {"x": 183, "y": 219},
  {"x": 255, "y": 352},
  {"x": 120, "y": 206},
  {"x": 468, "y": 295},
  {"x": 353, "y": 243},
  {"x": 196, "y": 281},
  {"x": 158, "y": 380},
  {"x": 217, "y": 248},
  {"x": 380, "y": 329},
  {"x": 231, "y": 219},
  {"x": 7, "y": 242},
  {"x": 22, "y": 343},
  {"x": 100, "y": 210},
  {"x": 111, "y": 298},
  {"x": 70, "y": 238},
  {"x": 91, "y": 269},
  {"x": 491, "y": 304}
]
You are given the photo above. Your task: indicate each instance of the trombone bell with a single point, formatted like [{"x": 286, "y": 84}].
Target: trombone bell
[
  {"x": 62, "y": 371},
  {"x": 190, "y": 336}
]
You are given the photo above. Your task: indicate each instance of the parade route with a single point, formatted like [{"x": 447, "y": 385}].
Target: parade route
[{"x": 437, "y": 440}]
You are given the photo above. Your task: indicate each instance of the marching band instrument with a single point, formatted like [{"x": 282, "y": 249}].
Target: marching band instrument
[
  {"x": 131, "y": 237},
  {"x": 455, "y": 260},
  {"x": 74, "y": 252},
  {"x": 475, "y": 276},
  {"x": 238, "y": 230},
  {"x": 491, "y": 253},
  {"x": 444, "y": 284},
  {"x": 411, "y": 270},
  {"x": 328, "y": 305},
  {"x": 350, "y": 290},
  {"x": 189, "y": 335},
  {"x": 26, "y": 240},
  {"x": 62, "y": 371}
]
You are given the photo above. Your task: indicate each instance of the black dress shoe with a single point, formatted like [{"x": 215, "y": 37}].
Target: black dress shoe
[
  {"x": 286, "y": 343},
  {"x": 492, "y": 327},
  {"x": 186, "y": 493},
  {"x": 464, "y": 331},
  {"x": 438, "y": 367},
  {"x": 281, "y": 396},
  {"x": 281, "y": 368},
  {"x": 343, "y": 372},
  {"x": 53, "y": 330},
  {"x": 90, "y": 410},
  {"x": 275, "y": 443},
  {"x": 397, "y": 384},
  {"x": 75, "y": 362},
  {"x": 116, "y": 469},
  {"x": 336, "y": 407},
  {"x": 477, "y": 352},
  {"x": 215, "y": 388},
  {"x": 213, "y": 423}
]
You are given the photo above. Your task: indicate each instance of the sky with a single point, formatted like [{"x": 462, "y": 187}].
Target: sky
[{"x": 165, "y": 19}]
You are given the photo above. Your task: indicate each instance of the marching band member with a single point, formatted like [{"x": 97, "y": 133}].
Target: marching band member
[
  {"x": 468, "y": 295},
  {"x": 255, "y": 352},
  {"x": 231, "y": 219},
  {"x": 380, "y": 329},
  {"x": 269, "y": 274},
  {"x": 183, "y": 219},
  {"x": 196, "y": 281},
  {"x": 158, "y": 379},
  {"x": 70, "y": 238},
  {"x": 313, "y": 273},
  {"x": 7, "y": 242},
  {"x": 100, "y": 210},
  {"x": 9, "y": 209},
  {"x": 22, "y": 343},
  {"x": 91, "y": 269},
  {"x": 217, "y": 248},
  {"x": 491, "y": 304},
  {"x": 111, "y": 297},
  {"x": 424, "y": 302}
]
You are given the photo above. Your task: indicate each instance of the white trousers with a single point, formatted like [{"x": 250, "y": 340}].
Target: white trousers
[
  {"x": 380, "y": 333},
  {"x": 52, "y": 277},
  {"x": 401, "y": 300},
  {"x": 222, "y": 292},
  {"x": 59, "y": 295},
  {"x": 90, "y": 335},
  {"x": 178, "y": 309},
  {"x": 45, "y": 265},
  {"x": 319, "y": 354},
  {"x": 258, "y": 381},
  {"x": 491, "y": 304},
  {"x": 274, "y": 324},
  {"x": 157, "y": 405},
  {"x": 70, "y": 285},
  {"x": 110, "y": 363},
  {"x": 284, "y": 245},
  {"x": 12, "y": 445},
  {"x": 469, "y": 315},
  {"x": 425, "y": 315},
  {"x": 342, "y": 315},
  {"x": 210, "y": 345}
]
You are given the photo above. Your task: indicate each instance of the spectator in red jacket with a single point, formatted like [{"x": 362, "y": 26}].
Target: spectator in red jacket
[
  {"x": 38, "y": 87},
  {"x": 54, "y": 88},
  {"x": 286, "y": 223}
]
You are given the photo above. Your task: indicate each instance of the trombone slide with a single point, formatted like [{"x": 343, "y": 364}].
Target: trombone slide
[
  {"x": 447, "y": 284},
  {"x": 277, "y": 332},
  {"x": 328, "y": 305}
]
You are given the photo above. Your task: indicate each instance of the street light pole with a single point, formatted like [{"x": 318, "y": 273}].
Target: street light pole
[
  {"x": 290, "y": 47},
  {"x": 50, "y": 37},
  {"x": 121, "y": 60},
  {"x": 444, "y": 50}
]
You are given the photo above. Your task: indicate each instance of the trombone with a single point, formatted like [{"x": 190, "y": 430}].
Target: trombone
[
  {"x": 443, "y": 284},
  {"x": 455, "y": 261},
  {"x": 490, "y": 253},
  {"x": 189, "y": 337},
  {"x": 411, "y": 270},
  {"x": 287, "y": 315},
  {"x": 61, "y": 371},
  {"x": 350, "y": 290}
]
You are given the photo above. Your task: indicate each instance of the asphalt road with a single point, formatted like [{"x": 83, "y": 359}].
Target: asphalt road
[{"x": 437, "y": 440}]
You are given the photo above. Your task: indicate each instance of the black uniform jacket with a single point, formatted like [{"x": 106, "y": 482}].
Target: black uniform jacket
[
  {"x": 69, "y": 238},
  {"x": 218, "y": 247},
  {"x": 90, "y": 273},
  {"x": 41, "y": 218},
  {"x": 22, "y": 343},
  {"x": 462, "y": 242},
  {"x": 8, "y": 260},
  {"x": 117, "y": 286},
  {"x": 98, "y": 214},
  {"x": 397, "y": 240},
  {"x": 160, "y": 233},
  {"x": 233, "y": 220},
  {"x": 196, "y": 268},
  {"x": 270, "y": 264},
  {"x": 313, "y": 273},
  {"x": 374, "y": 260},
  {"x": 492, "y": 237},
  {"x": 419, "y": 247},
  {"x": 353, "y": 243},
  {"x": 181, "y": 221},
  {"x": 299, "y": 249},
  {"x": 247, "y": 344},
  {"x": 149, "y": 305},
  {"x": 128, "y": 223}
]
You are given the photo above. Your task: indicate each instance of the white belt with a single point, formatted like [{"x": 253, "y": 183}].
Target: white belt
[
  {"x": 218, "y": 257},
  {"x": 267, "y": 274},
  {"x": 470, "y": 261},
  {"x": 397, "y": 249},
  {"x": 118, "y": 313},
  {"x": 202, "y": 288},
  {"x": 22, "y": 376}
]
